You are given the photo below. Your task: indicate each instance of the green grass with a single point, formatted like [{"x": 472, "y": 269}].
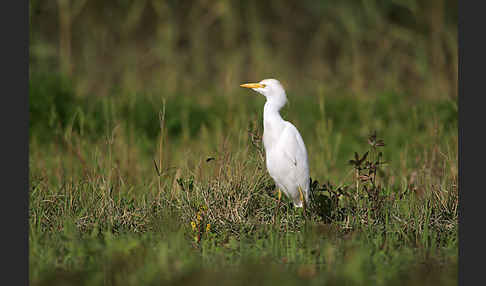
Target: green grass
[
  {"x": 185, "y": 45},
  {"x": 100, "y": 213}
]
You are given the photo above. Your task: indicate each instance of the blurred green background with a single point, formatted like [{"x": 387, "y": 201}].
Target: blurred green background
[
  {"x": 357, "y": 46},
  {"x": 348, "y": 67}
]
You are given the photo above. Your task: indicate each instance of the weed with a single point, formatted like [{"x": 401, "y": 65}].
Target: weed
[{"x": 98, "y": 210}]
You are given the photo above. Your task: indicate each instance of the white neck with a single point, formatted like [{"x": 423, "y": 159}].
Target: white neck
[
  {"x": 273, "y": 124},
  {"x": 271, "y": 109}
]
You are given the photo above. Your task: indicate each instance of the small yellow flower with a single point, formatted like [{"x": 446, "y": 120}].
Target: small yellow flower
[
  {"x": 199, "y": 218},
  {"x": 208, "y": 227},
  {"x": 193, "y": 224}
]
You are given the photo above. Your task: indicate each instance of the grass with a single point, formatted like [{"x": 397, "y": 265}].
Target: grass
[
  {"x": 192, "y": 45},
  {"x": 171, "y": 188}
]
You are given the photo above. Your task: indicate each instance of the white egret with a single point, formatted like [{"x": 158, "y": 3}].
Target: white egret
[{"x": 285, "y": 152}]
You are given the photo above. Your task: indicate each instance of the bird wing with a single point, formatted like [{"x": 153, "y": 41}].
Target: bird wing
[
  {"x": 294, "y": 150},
  {"x": 294, "y": 145}
]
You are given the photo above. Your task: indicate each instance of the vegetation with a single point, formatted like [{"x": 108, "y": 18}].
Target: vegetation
[
  {"x": 114, "y": 200},
  {"x": 401, "y": 45},
  {"x": 146, "y": 163}
]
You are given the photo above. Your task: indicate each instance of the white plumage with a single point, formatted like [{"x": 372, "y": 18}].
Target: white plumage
[{"x": 286, "y": 155}]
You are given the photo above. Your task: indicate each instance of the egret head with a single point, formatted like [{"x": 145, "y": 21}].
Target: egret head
[{"x": 271, "y": 89}]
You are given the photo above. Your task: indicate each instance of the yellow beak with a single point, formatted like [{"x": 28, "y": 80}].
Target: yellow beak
[{"x": 252, "y": 85}]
